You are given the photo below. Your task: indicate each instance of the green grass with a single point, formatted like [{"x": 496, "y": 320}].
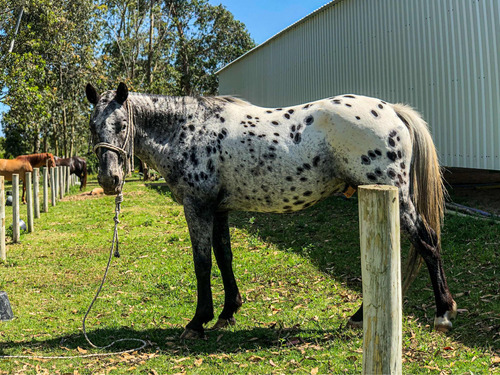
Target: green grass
[{"x": 299, "y": 276}]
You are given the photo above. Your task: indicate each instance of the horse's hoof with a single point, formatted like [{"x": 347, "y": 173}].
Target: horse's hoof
[
  {"x": 191, "y": 334},
  {"x": 223, "y": 323},
  {"x": 443, "y": 323},
  {"x": 356, "y": 324}
]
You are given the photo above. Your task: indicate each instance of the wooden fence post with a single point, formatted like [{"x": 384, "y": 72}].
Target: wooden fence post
[
  {"x": 68, "y": 179},
  {"x": 29, "y": 200},
  {"x": 53, "y": 185},
  {"x": 3, "y": 254},
  {"x": 45, "y": 189},
  {"x": 381, "y": 274},
  {"x": 36, "y": 193},
  {"x": 61, "y": 182},
  {"x": 15, "y": 208}
]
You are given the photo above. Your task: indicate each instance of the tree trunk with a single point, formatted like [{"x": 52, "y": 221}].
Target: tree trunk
[{"x": 149, "y": 75}]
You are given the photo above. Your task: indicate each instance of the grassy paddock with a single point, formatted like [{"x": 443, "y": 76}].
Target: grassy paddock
[{"x": 299, "y": 276}]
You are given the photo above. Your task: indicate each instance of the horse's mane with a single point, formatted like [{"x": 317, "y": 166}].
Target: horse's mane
[
  {"x": 226, "y": 99},
  {"x": 42, "y": 155},
  {"x": 206, "y": 100}
]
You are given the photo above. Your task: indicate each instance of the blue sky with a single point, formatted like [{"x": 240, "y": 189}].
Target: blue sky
[{"x": 263, "y": 18}]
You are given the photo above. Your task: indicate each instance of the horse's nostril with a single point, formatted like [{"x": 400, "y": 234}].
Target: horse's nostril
[{"x": 117, "y": 180}]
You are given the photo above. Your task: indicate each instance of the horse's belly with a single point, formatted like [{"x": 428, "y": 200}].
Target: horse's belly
[{"x": 279, "y": 193}]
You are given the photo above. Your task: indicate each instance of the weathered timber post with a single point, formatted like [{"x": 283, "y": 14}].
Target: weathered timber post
[
  {"x": 53, "y": 185},
  {"x": 15, "y": 208},
  {"x": 45, "y": 189},
  {"x": 29, "y": 200},
  {"x": 68, "y": 179},
  {"x": 56, "y": 185},
  {"x": 381, "y": 274},
  {"x": 61, "y": 182},
  {"x": 3, "y": 254},
  {"x": 36, "y": 192}
]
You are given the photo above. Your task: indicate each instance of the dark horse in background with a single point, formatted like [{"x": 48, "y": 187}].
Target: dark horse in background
[{"x": 77, "y": 166}]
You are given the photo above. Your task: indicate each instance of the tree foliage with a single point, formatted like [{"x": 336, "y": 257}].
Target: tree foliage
[{"x": 171, "y": 47}]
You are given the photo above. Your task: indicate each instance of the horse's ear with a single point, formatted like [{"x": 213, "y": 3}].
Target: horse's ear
[
  {"x": 121, "y": 93},
  {"x": 92, "y": 95}
]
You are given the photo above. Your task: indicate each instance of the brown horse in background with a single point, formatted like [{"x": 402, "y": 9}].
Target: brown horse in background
[
  {"x": 45, "y": 159},
  {"x": 8, "y": 167},
  {"x": 77, "y": 166},
  {"x": 23, "y": 164}
]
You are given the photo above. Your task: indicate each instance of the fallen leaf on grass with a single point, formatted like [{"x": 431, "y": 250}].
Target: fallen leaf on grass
[
  {"x": 255, "y": 358},
  {"x": 198, "y": 362},
  {"x": 80, "y": 350},
  {"x": 314, "y": 371},
  {"x": 495, "y": 359}
]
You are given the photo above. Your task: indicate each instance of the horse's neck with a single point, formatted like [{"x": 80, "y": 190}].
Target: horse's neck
[{"x": 159, "y": 116}]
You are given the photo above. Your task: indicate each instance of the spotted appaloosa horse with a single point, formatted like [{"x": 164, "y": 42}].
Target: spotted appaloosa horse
[
  {"x": 77, "y": 166},
  {"x": 220, "y": 154}
]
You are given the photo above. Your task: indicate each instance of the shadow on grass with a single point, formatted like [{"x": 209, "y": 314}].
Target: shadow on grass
[
  {"x": 167, "y": 341},
  {"x": 328, "y": 235}
]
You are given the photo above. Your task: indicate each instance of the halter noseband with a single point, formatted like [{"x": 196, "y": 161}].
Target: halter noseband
[{"x": 121, "y": 150}]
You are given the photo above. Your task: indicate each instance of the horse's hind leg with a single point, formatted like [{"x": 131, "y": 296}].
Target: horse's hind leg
[
  {"x": 200, "y": 217},
  {"x": 426, "y": 242},
  {"x": 221, "y": 242}
]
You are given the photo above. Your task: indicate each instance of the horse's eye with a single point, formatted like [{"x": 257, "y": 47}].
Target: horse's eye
[{"x": 124, "y": 125}]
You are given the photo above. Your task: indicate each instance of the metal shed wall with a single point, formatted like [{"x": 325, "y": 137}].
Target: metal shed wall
[{"x": 440, "y": 56}]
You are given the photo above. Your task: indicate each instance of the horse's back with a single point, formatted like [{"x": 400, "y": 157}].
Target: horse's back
[
  {"x": 284, "y": 159},
  {"x": 8, "y": 167}
]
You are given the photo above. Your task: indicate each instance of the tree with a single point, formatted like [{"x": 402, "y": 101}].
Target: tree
[
  {"x": 207, "y": 38},
  {"x": 53, "y": 56},
  {"x": 171, "y": 47}
]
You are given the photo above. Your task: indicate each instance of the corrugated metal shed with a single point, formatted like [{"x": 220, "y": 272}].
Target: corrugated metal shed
[{"x": 440, "y": 56}]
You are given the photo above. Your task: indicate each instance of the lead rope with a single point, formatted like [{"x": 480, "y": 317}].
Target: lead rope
[
  {"x": 144, "y": 344},
  {"x": 118, "y": 201}
]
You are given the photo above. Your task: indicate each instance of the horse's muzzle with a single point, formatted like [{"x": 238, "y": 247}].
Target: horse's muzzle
[
  {"x": 110, "y": 175},
  {"x": 111, "y": 184}
]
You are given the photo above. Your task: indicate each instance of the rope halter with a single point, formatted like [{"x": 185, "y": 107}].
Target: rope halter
[{"x": 128, "y": 157}]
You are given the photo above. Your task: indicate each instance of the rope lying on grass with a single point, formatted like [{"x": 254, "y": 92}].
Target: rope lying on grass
[{"x": 144, "y": 344}]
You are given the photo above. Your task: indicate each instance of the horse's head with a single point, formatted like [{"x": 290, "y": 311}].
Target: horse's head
[
  {"x": 110, "y": 128},
  {"x": 50, "y": 160}
]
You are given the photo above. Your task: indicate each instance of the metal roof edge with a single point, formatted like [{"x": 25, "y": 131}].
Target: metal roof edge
[{"x": 275, "y": 36}]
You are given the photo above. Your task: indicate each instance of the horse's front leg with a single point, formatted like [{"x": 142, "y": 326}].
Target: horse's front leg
[
  {"x": 200, "y": 217},
  {"x": 222, "y": 249},
  {"x": 23, "y": 199}
]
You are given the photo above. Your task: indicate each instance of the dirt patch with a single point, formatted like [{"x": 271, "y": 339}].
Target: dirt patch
[
  {"x": 485, "y": 198},
  {"x": 474, "y": 188},
  {"x": 95, "y": 193}
]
